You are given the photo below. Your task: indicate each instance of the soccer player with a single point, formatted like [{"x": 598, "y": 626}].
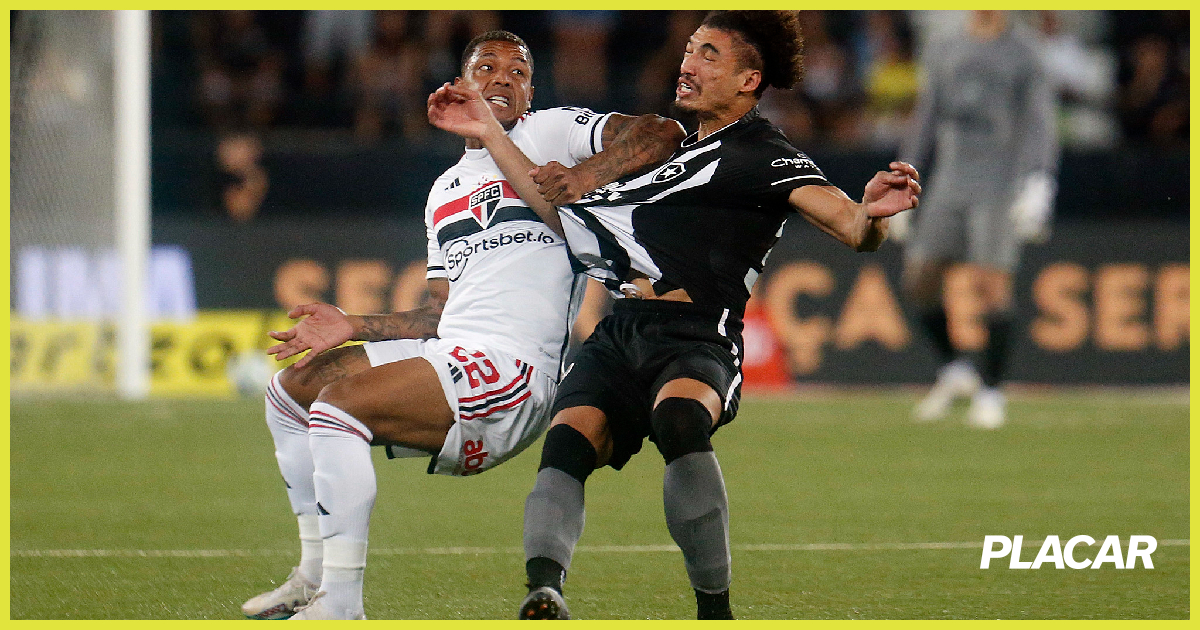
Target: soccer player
[
  {"x": 987, "y": 111},
  {"x": 501, "y": 291},
  {"x": 681, "y": 246}
]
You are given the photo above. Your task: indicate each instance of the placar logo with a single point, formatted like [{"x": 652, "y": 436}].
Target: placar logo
[
  {"x": 1065, "y": 556},
  {"x": 483, "y": 203}
]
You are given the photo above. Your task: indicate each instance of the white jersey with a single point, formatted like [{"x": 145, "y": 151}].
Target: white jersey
[{"x": 511, "y": 285}]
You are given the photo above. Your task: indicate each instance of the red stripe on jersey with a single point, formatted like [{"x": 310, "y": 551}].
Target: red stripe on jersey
[
  {"x": 487, "y": 412},
  {"x": 524, "y": 375},
  {"x": 458, "y": 205}
]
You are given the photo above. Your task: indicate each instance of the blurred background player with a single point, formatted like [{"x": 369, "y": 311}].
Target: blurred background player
[
  {"x": 986, "y": 113},
  {"x": 500, "y": 286},
  {"x": 681, "y": 246}
]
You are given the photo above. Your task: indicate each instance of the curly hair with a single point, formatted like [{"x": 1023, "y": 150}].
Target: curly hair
[
  {"x": 774, "y": 40},
  {"x": 493, "y": 36}
]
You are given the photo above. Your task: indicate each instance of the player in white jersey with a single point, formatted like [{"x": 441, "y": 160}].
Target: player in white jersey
[{"x": 469, "y": 377}]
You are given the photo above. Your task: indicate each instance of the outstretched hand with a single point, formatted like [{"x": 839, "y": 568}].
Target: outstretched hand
[
  {"x": 460, "y": 110},
  {"x": 890, "y": 193},
  {"x": 325, "y": 327}
]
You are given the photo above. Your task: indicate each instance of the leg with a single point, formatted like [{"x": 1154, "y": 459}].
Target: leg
[
  {"x": 400, "y": 403},
  {"x": 924, "y": 286},
  {"x": 577, "y": 443},
  {"x": 987, "y": 406},
  {"x": 288, "y": 397},
  {"x": 694, "y": 500}
]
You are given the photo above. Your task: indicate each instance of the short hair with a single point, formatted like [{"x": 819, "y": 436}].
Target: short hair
[
  {"x": 775, "y": 40},
  {"x": 493, "y": 36}
]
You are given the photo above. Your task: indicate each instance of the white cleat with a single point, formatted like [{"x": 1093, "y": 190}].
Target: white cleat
[
  {"x": 282, "y": 602},
  {"x": 987, "y": 409},
  {"x": 319, "y": 608},
  {"x": 957, "y": 379}
]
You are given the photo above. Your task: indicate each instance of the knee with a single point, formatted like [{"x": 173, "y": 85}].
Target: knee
[
  {"x": 923, "y": 286},
  {"x": 681, "y": 426},
  {"x": 570, "y": 451},
  {"x": 338, "y": 394},
  {"x": 298, "y": 385}
]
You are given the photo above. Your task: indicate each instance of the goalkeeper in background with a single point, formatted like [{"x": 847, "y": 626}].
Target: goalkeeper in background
[{"x": 986, "y": 112}]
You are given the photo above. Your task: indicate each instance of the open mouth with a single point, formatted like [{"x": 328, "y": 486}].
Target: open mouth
[
  {"x": 683, "y": 88},
  {"x": 498, "y": 101}
]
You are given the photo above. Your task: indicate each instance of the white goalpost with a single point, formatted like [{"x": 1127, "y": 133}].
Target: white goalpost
[
  {"x": 80, "y": 201},
  {"x": 131, "y": 175}
]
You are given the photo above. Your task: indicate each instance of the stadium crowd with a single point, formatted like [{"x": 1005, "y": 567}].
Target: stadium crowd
[{"x": 1122, "y": 75}]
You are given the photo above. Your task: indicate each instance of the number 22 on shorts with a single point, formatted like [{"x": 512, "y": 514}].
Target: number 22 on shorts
[{"x": 475, "y": 373}]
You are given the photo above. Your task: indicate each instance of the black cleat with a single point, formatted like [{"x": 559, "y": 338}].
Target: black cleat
[
  {"x": 543, "y": 603},
  {"x": 713, "y": 605}
]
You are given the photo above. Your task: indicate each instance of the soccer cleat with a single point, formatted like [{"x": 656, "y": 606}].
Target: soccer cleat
[
  {"x": 957, "y": 379},
  {"x": 282, "y": 602},
  {"x": 544, "y": 603},
  {"x": 987, "y": 409},
  {"x": 318, "y": 608}
]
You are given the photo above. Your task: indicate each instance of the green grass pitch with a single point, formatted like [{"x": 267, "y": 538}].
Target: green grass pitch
[{"x": 175, "y": 510}]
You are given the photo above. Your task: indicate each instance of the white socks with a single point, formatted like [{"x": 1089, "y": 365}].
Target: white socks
[
  {"x": 344, "y": 481},
  {"x": 288, "y": 422}
]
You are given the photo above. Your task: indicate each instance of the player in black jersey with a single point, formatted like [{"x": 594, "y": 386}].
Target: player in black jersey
[{"x": 683, "y": 244}]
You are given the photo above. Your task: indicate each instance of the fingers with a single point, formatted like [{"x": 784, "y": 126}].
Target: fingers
[
  {"x": 460, "y": 93},
  {"x": 906, "y": 168},
  {"x": 561, "y": 196},
  {"x": 541, "y": 174},
  {"x": 286, "y": 335},
  {"x": 302, "y": 310},
  {"x": 284, "y": 350},
  {"x": 900, "y": 179}
]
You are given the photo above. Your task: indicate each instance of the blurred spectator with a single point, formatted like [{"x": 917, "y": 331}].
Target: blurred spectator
[
  {"x": 581, "y": 57},
  {"x": 446, "y": 34},
  {"x": 1154, "y": 96},
  {"x": 1084, "y": 78},
  {"x": 389, "y": 80},
  {"x": 333, "y": 39},
  {"x": 241, "y": 72},
  {"x": 829, "y": 87},
  {"x": 889, "y": 76},
  {"x": 244, "y": 181}
]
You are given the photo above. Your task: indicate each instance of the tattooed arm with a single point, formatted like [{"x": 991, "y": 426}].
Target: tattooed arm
[
  {"x": 326, "y": 326},
  {"x": 631, "y": 144}
]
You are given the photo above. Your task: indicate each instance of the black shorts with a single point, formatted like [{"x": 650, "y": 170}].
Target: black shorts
[{"x": 642, "y": 346}]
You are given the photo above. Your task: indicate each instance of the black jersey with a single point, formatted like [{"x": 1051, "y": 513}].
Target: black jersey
[{"x": 705, "y": 221}]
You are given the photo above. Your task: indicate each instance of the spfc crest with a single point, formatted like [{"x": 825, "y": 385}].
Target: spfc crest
[{"x": 483, "y": 203}]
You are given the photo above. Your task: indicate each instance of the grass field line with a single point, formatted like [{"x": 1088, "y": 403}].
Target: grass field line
[{"x": 445, "y": 551}]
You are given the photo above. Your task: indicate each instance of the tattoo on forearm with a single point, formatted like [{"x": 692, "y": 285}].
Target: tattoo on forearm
[
  {"x": 633, "y": 146},
  {"x": 419, "y": 323}
]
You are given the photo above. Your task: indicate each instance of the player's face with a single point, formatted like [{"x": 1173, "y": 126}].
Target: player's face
[
  {"x": 710, "y": 76},
  {"x": 500, "y": 71}
]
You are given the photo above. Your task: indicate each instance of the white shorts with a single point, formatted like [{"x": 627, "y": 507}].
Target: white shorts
[{"x": 501, "y": 404}]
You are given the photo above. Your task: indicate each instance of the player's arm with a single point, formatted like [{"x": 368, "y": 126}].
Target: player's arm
[
  {"x": 864, "y": 225},
  {"x": 418, "y": 323},
  {"x": 631, "y": 144},
  {"x": 325, "y": 326},
  {"x": 462, "y": 111}
]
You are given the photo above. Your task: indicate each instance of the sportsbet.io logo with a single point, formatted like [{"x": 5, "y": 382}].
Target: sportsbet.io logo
[
  {"x": 1071, "y": 555},
  {"x": 460, "y": 251}
]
